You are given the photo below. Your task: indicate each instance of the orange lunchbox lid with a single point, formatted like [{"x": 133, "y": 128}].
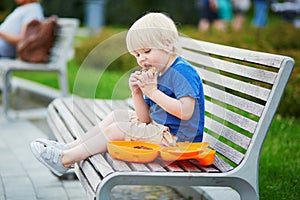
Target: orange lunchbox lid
[{"x": 133, "y": 151}]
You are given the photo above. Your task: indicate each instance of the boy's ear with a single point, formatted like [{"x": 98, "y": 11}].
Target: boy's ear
[{"x": 169, "y": 45}]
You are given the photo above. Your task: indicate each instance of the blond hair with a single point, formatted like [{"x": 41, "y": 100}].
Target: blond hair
[{"x": 153, "y": 30}]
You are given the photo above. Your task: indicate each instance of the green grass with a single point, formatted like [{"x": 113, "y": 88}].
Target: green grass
[
  {"x": 86, "y": 82},
  {"x": 279, "y": 167}
]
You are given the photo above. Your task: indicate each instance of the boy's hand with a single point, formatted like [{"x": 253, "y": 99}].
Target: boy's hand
[
  {"x": 147, "y": 81},
  {"x": 133, "y": 82}
]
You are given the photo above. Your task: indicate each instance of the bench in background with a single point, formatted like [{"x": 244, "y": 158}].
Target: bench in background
[
  {"x": 60, "y": 54},
  {"x": 242, "y": 88}
]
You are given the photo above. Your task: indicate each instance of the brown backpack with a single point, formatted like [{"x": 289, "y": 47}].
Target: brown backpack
[{"x": 38, "y": 40}]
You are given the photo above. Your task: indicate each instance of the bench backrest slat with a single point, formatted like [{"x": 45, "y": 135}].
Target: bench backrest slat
[
  {"x": 222, "y": 165},
  {"x": 224, "y": 149},
  {"x": 233, "y": 100},
  {"x": 230, "y": 116},
  {"x": 228, "y": 133},
  {"x": 235, "y": 68},
  {"x": 265, "y": 59},
  {"x": 234, "y": 84}
]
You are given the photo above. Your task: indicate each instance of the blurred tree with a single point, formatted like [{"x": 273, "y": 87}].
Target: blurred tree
[
  {"x": 127, "y": 11},
  {"x": 6, "y": 7},
  {"x": 69, "y": 8},
  {"x": 6, "y": 4},
  {"x": 122, "y": 12}
]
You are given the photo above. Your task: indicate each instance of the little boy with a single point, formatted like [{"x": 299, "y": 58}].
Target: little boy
[{"x": 167, "y": 95}]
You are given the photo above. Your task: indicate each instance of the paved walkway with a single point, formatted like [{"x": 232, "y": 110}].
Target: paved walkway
[{"x": 21, "y": 176}]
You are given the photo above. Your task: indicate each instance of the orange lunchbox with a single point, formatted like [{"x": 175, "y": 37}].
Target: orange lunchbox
[
  {"x": 143, "y": 152},
  {"x": 133, "y": 151},
  {"x": 185, "y": 150}
]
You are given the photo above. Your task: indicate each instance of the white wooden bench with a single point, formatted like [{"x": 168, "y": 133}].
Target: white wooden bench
[
  {"x": 242, "y": 89},
  {"x": 60, "y": 53}
]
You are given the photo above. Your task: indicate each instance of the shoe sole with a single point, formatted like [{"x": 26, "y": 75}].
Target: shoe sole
[{"x": 38, "y": 157}]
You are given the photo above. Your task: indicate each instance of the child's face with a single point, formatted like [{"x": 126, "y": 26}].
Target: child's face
[{"x": 151, "y": 57}]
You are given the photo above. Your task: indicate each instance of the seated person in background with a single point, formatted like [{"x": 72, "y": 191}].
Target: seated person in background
[
  {"x": 13, "y": 27},
  {"x": 208, "y": 14}
]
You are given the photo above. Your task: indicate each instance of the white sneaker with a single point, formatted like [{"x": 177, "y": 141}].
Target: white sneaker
[
  {"x": 50, "y": 156},
  {"x": 59, "y": 145}
]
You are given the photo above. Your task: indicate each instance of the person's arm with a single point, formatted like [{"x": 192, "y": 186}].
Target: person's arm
[
  {"x": 182, "y": 108},
  {"x": 141, "y": 108},
  {"x": 13, "y": 39}
]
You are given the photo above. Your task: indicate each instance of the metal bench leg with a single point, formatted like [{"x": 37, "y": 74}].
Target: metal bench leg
[
  {"x": 5, "y": 93},
  {"x": 244, "y": 188},
  {"x": 104, "y": 192},
  {"x": 63, "y": 82}
]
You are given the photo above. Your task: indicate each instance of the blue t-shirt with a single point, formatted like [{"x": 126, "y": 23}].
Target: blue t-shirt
[{"x": 181, "y": 80}]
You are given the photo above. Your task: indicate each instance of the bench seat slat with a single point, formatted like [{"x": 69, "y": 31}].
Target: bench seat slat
[
  {"x": 232, "y": 117},
  {"x": 232, "y": 52},
  {"x": 97, "y": 111},
  {"x": 68, "y": 118},
  {"x": 208, "y": 169},
  {"x": 104, "y": 106},
  {"x": 109, "y": 104},
  {"x": 233, "y": 100},
  {"x": 87, "y": 110},
  {"x": 80, "y": 117},
  {"x": 130, "y": 103},
  {"x": 89, "y": 172},
  {"x": 101, "y": 165},
  {"x": 118, "y": 165},
  {"x": 228, "y": 133},
  {"x": 188, "y": 166},
  {"x": 172, "y": 166},
  {"x": 84, "y": 182},
  {"x": 156, "y": 167},
  {"x": 58, "y": 127},
  {"x": 234, "y": 68},
  {"x": 138, "y": 167},
  {"x": 120, "y": 104}
]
